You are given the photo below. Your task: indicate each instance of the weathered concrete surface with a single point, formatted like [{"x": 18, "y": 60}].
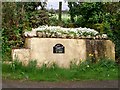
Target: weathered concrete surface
[
  {"x": 99, "y": 49},
  {"x": 21, "y": 54},
  {"x": 109, "y": 49},
  {"x": 41, "y": 49}
]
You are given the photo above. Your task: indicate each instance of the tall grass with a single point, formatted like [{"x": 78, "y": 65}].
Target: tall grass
[{"x": 102, "y": 70}]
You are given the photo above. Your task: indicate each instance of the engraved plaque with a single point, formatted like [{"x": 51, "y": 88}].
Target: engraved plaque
[{"x": 58, "y": 48}]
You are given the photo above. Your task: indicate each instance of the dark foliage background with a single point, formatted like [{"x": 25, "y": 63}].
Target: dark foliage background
[
  {"x": 104, "y": 17},
  {"x": 19, "y": 17}
]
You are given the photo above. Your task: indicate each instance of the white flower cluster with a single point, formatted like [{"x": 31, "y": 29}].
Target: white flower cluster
[
  {"x": 59, "y": 32},
  {"x": 57, "y": 28}
]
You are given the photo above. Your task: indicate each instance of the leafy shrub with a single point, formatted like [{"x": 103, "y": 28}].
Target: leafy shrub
[
  {"x": 16, "y": 18},
  {"x": 38, "y": 18},
  {"x": 53, "y": 21}
]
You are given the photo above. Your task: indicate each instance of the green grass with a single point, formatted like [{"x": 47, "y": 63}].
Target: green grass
[{"x": 102, "y": 70}]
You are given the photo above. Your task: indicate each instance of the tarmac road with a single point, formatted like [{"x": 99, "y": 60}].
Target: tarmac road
[{"x": 65, "y": 84}]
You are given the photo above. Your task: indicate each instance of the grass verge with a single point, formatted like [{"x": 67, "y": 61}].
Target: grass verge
[{"x": 102, "y": 70}]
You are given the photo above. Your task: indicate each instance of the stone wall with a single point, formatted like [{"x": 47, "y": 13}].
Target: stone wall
[
  {"x": 22, "y": 55},
  {"x": 97, "y": 49},
  {"x": 109, "y": 49},
  {"x": 41, "y": 49}
]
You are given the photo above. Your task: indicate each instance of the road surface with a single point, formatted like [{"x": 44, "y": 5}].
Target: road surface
[{"x": 65, "y": 84}]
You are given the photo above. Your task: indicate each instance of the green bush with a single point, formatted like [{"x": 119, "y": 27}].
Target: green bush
[
  {"x": 16, "y": 18},
  {"x": 53, "y": 21}
]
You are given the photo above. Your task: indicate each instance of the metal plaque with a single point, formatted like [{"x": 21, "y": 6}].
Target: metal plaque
[{"x": 58, "y": 48}]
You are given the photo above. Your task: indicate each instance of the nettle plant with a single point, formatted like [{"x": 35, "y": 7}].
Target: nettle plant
[{"x": 60, "y": 32}]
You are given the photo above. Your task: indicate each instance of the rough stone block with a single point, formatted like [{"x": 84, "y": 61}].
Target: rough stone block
[{"x": 23, "y": 55}]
